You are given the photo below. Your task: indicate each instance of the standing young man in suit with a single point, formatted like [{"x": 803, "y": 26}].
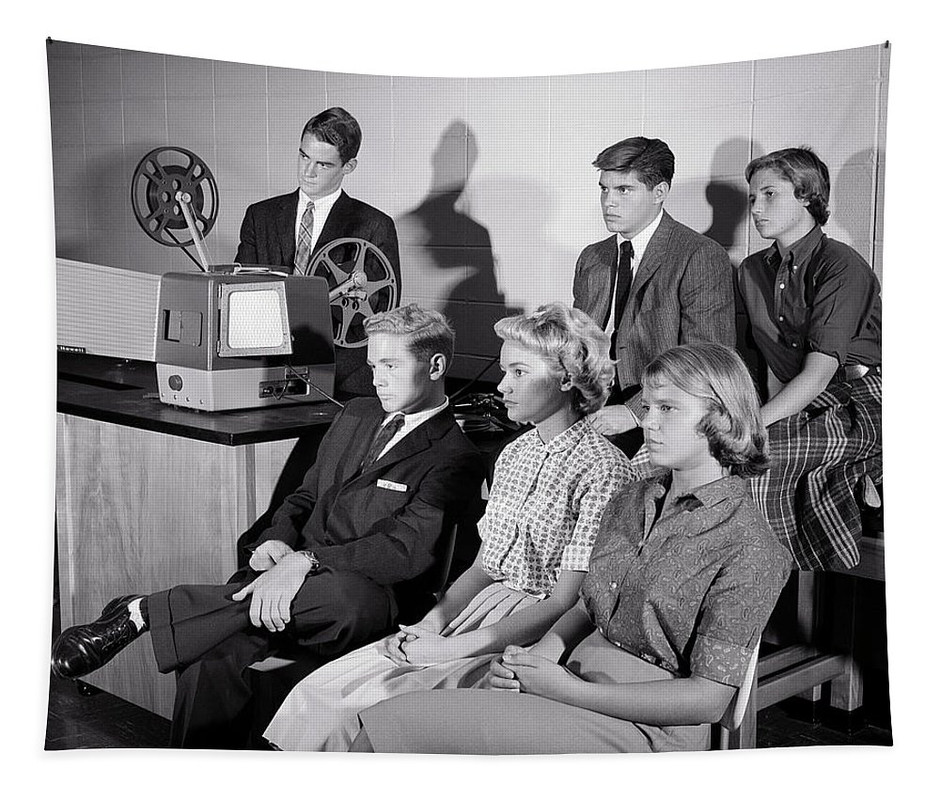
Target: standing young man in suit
[
  {"x": 288, "y": 230},
  {"x": 654, "y": 284},
  {"x": 342, "y": 554}
]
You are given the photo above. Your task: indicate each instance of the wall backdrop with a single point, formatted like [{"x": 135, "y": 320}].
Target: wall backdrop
[{"x": 489, "y": 179}]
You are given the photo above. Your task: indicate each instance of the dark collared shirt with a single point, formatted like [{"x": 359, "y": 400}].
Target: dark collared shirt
[
  {"x": 817, "y": 296},
  {"x": 692, "y": 591}
]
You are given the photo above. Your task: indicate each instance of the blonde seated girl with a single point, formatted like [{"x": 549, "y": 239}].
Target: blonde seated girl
[
  {"x": 682, "y": 579},
  {"x": 550, "y": 488}
]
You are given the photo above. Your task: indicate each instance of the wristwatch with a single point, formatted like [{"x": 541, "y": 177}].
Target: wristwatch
[{"x": 312, "y": 558}]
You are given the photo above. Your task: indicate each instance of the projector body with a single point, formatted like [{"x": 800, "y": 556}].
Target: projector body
[{"x": 229, "y": 340}]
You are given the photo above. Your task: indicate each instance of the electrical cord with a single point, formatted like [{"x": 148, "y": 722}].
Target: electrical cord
[
  {"x": 315, "y": 388},
  {"x": 463, "y": 390}
]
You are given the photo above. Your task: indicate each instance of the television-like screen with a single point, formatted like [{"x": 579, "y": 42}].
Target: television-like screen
[{"x": 253, "y": 320}]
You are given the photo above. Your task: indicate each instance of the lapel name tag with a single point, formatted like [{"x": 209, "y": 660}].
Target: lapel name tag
[{"x": 395, "y": 487}]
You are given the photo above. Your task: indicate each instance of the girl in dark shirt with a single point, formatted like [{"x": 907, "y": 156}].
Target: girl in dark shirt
[
  {"x": 682, "y": 579},
  {"x": 814, "y": 309}
]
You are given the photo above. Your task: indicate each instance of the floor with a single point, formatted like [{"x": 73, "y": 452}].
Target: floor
[
  {"x": 99, "y": 720},
  {"x": 102, "y": 720}
]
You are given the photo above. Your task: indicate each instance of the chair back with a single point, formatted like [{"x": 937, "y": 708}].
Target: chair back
[
  {"x": 436, "y": 576},
  {"x": 734, "y": 714}
]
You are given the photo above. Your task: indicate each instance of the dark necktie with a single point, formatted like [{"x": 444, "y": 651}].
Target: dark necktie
[
  {"x": 304, "y": 241},
  {"x": 624, "y": 278},
  {"x": 382, "y": 438}
]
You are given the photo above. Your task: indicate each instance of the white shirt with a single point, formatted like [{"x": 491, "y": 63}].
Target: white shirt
[
  {"x": 640, "y": 242},
  {"x": 321, "y": 210},
  {"x": 412, "y": 421}
]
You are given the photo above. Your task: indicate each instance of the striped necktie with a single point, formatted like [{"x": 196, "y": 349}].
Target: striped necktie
[{"x": 304, "y": 242}]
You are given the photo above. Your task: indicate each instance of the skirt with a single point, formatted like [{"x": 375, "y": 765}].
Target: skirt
[
  {"x": 487, "y": 722},
  {"x": 321, "y": 712}
]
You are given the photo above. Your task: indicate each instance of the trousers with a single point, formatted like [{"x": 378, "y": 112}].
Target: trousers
[{"x": 208, "y": 640}]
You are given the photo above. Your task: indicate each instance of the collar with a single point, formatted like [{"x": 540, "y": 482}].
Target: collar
[
  {"x": 323, "y": 205},
  {"x": 414, "y": 419},
  {"x": 564, "y": 441},
  {"x": 642, "y": 239},
  {"x": 801, "y": 250},
  {"x": 708, "y": 495}
]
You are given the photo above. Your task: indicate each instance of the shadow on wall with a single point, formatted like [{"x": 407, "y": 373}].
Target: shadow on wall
[
  {"x": 852, "y": 196},
  {"x": 452, "y": 262},
  {"x": 727, "y": 195}
]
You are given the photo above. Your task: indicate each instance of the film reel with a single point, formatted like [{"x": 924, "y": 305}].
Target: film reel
[
  {"x": 159, "y": 176},
  {"x": 362, "y": 283}
]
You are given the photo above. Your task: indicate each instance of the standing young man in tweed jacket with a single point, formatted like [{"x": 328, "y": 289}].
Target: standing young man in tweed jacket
[{"x": 654, "y": 283}]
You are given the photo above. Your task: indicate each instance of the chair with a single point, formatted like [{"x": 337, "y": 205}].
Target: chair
[
  {"x": 731, "y": 732},
  {"x": 803, "y": 669}
]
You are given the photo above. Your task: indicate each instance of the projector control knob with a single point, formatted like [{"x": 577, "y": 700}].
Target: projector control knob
[{"x": 176, "y": 382}]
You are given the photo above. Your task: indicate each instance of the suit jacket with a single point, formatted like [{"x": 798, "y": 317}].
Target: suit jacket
[
  {"x": 267, "y": 237},
  {"x": 267, "y": 232},
  {"x": 682, "y": 292},
  {"x": 385, "y": 522}
]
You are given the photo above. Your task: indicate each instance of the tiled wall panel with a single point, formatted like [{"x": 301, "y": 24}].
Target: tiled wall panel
[{"x": 489, "y": 180}]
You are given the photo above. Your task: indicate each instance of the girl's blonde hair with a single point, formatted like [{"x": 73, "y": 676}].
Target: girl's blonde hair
[
  {"x": 572, "y": 345},
  {"x": 732, "y": 424}
]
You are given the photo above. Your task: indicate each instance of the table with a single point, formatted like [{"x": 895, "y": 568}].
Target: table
[{"x": 149, "y": 496}]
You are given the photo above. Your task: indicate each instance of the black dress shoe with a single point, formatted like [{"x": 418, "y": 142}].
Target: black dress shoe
[{"x": 84, "y": 648}]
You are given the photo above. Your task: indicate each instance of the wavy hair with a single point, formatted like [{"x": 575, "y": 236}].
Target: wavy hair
[
  {"x": 806, "y": 171},
  {"x": 336, "y": 126},
  {"x": 732, "y": 424},
  {"x": 428, "y": 332},
  {"x": 651, "y": 160},
  {"x": 572, "y": 345}
]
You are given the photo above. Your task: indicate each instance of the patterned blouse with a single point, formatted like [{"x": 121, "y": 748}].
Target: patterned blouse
[
  {"x": 546, "y": 505},
  {"x": 692, "y": 592}
]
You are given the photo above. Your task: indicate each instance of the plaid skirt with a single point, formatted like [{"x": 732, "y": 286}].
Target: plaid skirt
[{"x": 819, "y": 458}]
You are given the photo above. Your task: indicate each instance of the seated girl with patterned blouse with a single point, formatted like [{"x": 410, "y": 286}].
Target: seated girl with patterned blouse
[
  {"x": 683, "y": 577},
  {"x": 814, "y": 309},
  {"x": 550, "y": 488}
]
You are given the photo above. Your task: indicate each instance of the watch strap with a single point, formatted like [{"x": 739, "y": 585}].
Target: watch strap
[{"x": 312, "y": 558}]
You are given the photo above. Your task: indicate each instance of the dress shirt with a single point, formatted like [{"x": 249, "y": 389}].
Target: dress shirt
[
  {"x": 411, "y": 422},
  {"x": 546, "y": 505},
  {"x": 321, "y": 210},
  {"x": 691, "y": 591},
  {"x": 639, "y": 242},
  {"x": 818, "y": 295}
]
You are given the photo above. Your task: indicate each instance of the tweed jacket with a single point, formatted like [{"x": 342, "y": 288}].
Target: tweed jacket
[{"x": 682, "y": 292}]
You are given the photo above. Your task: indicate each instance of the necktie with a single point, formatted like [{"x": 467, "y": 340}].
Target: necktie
[
  {"x": 304, "y": 242},
  {"x": 382, "y": 438},
  {"x": 624, "y": 278}
]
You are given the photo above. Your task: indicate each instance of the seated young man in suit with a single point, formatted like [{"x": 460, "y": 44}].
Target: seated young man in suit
[
  {"x": 288, "y": 230},
  {"x": 342, "y": 554},
  {"x": 654, "y": 284}
]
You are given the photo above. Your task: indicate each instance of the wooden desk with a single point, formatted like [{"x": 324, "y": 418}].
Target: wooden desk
[{"x": 149, "y": 496}]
